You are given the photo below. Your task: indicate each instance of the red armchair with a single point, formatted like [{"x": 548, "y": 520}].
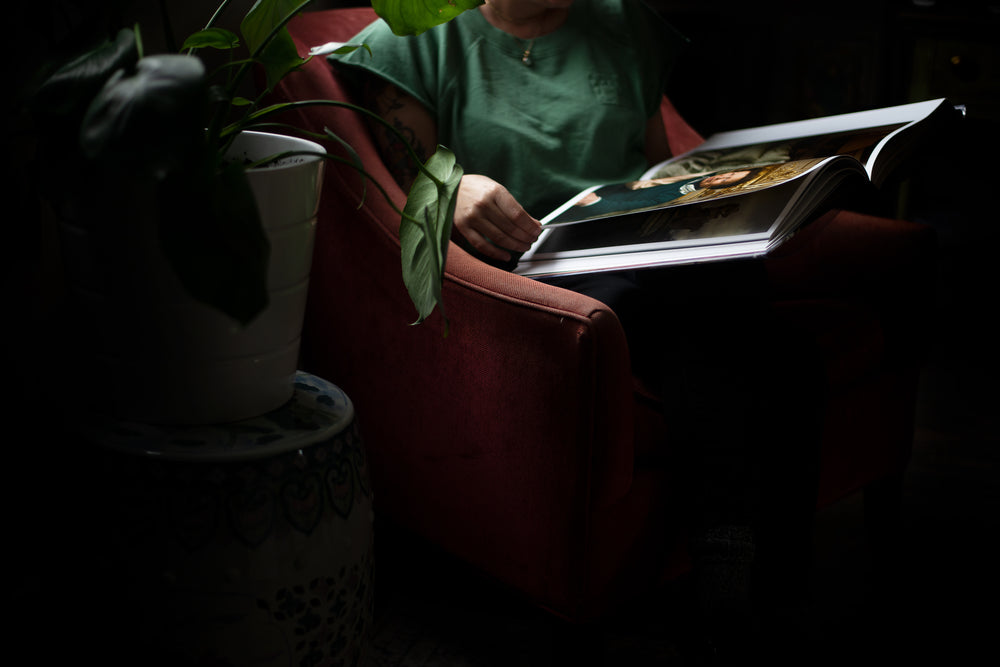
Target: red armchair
[{"x": 512, "y": 442}]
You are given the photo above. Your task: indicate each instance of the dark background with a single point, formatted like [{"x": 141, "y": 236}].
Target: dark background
[
  {"x": 767, "y": 62},
  {"x": 748, "y": 64}
]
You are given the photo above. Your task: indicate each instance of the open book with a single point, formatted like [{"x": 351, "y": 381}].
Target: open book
[{"x": 738, "y": 194}]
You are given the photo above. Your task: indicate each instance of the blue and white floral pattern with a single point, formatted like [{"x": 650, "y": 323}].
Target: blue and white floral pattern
[{"x": 260, "y": 529}]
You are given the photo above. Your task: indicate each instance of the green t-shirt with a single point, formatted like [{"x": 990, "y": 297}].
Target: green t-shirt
[{"x": 572, "y": 119}]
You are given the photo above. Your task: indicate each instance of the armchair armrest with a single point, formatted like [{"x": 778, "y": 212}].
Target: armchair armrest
[{"x": 498, "y": 438}]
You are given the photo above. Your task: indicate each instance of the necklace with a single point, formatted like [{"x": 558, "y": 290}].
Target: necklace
[{"x": 526, "y": 53}]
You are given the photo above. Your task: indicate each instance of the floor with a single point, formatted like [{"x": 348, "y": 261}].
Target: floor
[{"x": 433, "y": 612}]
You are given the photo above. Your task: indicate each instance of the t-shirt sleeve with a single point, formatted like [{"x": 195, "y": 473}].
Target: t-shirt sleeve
[{"x": 399, "y": 60}]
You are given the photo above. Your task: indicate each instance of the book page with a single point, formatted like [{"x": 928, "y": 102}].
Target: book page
[
  {"x": 862, "y": 135},
  {"x": 644, "y": 196}
]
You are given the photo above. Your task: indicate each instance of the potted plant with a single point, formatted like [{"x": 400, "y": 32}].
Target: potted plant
[{"x": 159, "y": 177}]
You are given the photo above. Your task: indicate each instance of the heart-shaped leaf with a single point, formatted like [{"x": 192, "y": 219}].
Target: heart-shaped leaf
[
  {"x": 216, "y": 38},
  {"x": 412, "y": 17},
  {"x": 70, "y": 90},
  {"x": 214, "y": 240},
  {"x": 425, "y": 230},
  {"x": 279, "y": 56},
  {"x": 148, "y": 120}
]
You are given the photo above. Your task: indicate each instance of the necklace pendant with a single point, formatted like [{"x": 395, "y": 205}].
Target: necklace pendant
[{"x": 526, "y": 58}]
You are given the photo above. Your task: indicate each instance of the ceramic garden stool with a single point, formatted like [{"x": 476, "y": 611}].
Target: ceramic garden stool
[{"x": 244, "y": 543}]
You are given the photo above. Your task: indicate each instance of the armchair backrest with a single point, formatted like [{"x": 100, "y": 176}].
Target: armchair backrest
[{"x": 680, "y": 135}]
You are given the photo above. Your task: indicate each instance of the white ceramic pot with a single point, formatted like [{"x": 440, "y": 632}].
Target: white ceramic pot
[{"x": 156, "y": 355}]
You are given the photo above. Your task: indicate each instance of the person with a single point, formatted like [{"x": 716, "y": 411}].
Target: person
[{"x": 540, "y": 100}]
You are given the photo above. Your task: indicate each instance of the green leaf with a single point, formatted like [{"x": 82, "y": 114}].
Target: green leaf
[
  {"x": 351, "y": 48},
  {"x": 412, "y": 17},
  {"x": 214, "y": 240},
  {"x": 58, "y": 107},
  {"x": 150, "y": 119},
  {"x": 279, "y": 56},
  {"x": 69, "y": 91},
  {"x": 215, "y": 38},
  {"x": 425, "y": 230}
]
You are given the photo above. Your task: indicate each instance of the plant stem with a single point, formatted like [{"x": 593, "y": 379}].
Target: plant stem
[
  {"x": 219, "y": 11},
  {"x": 138, "y": 41},
  {"x": 261, "y": 113},
  {"x": 336, "y": 158}
]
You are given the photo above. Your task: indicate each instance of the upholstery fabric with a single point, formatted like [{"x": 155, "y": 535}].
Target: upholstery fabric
[{"x": 520, "y": 442}]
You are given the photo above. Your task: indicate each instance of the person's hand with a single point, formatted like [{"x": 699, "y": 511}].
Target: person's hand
[{"x": 491, "y": 220}]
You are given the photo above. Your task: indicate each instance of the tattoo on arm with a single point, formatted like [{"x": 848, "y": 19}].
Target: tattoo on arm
[{"x": 390, "y": 103}]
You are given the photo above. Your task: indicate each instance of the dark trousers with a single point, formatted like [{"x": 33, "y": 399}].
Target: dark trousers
[{"x": 742, "y": 392}]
